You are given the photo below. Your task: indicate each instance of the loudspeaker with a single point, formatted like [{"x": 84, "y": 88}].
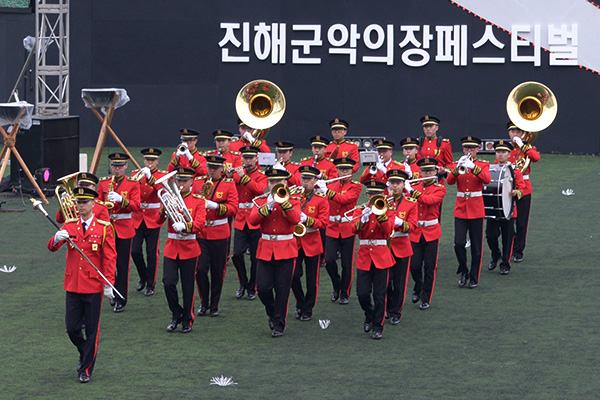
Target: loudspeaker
[{"x": 51, "y": 142}]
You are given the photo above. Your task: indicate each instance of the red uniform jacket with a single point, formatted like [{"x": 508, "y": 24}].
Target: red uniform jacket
[
  {"x": 345, "y": 149},
  {"x": 225, "y": 193},
  {"x": 233, "y": 159},
  {"x": 261, "y": 144},
  {"x": 252, "y": 184},
  {"x": 429, "y": 148},
  {"x": 149, "y": 202},
  {"x": 533, "y": 155},
  {"x": 377, "y": 228},
  {"x": 98, "y": 243},
  {"x": 342, "y": 195},
  {"x": 175, "y": 248},
  {"x": 121, "y": 215},
  {"x": 406, "y": 209},
  {"x": 468, "y": 207},
  {"x": 429, "y": 198},
  {"x": 414, "y": 168},
  {"x": 292, "y": 168},
  {"x": 198, "y": 163},
  {"x": 316, "y": 207},
  {"x": 379, "y": 176},
  {"x": 327, "y": 168},
  {"x": 99, "y": 211},
  {"x": 281, "y": 221}
]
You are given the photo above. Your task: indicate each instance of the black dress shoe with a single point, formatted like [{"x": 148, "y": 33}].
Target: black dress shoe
[
  {"x": 462, "y": 281},
  {"x": 173, "y": 325},
  {"x": 201, "y": 311},
  {"x": 377, "y": 335},
  {"x": 504, "y": 271},
  {"x": 251, "y": 296},
  {"x": 240, "y": 292},
  {"x": 517, "y": 258},
  {"x": 472, "y": 284},
  {"x": 334, "y": 296},
  {"x": 305, "y": 317},
  {"x": 276, "y": 333},
  {"x": 149, "y": 291},
  {"x": 344, "y": 300},
  {"x": 368, "y": 326},
  {"x": 395, "y": 320},
  {"x": 387, "y": 315},
  {"x": 119, "y": 308},
  {"x": 297, "y": 313},
  {"x": 492, "y": 265},
  {"x": 424, "y": 305},
  {"x": 140, "y": 285},
  {"x": 113, "y": 301},
  {"x": 415, "y": 298},
  {"x": 186, "y": 328},
  {"x": 271, "y": 324},
  {"x": 84, "y": 378},
  {"x": 214, "y": 313}
]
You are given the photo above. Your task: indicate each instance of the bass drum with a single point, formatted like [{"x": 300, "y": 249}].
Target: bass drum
[{"x": 497, "y": 200}]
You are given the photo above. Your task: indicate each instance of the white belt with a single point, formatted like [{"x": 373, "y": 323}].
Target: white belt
[
  {"x": 149, "y": 205},
  {"x": 245, "y": 205},
  {"x": 373, "y": 242},
  {"x": 178, "y": 236},
  {"x": 309, "y": 230},
  {"x": 338, "y": 219},
  {"x": 399, "y": 234},
  {"x": 526, "y": 176},
  {"x": 120, "y": 216},
  {"x": 215, "y": 222},
  {"x": 430, "y": 222},
  {"x": 469, "y": 194},
  {"x": 276, "y": 238}
]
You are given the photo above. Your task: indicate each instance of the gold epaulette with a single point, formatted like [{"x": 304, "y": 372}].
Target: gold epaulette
[
  {"x": 237, "y": 153},
  {"x": 134, "y": 171},
  {"x": 410, "y": 199},
  {"x": 198, "y": 178},
  {"x": 356, "y": 182},
  {"x": 261, "y": 171},
  {"x": 329, "y": 159},
  {"x": 307, "y": 158},
  {"x": 445, "y": 140},
  {"x": 438, "y": 185},
  {"x": 485, "y": 161},
  {"x": 130, "y": 179},
  {"x": 227, "y": 179},
  {"x": 320, "y": 194},
  {"x": 105, "y": 178},
  {"x": 197, "y": 196},
  {"x": 163, "y": 171},
  {"x": 102, "y": 222},
  {"x": 296, "y": 163}
]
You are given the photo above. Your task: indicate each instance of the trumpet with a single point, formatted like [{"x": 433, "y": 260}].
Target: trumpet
[
  {"x": 183, "y": 146},
  {"x": 460, "y": 166},
  {"x": 378, "y": 204},
  {"x": 373, "y": 167}
]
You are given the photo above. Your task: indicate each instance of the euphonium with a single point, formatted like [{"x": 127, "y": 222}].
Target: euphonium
[
  {"x": 171, "y": 199},
  {"x": 66, "y": 203}
]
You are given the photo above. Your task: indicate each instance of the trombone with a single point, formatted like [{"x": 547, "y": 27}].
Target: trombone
[
  {"x": 281, "y": 193},
  {"x": 378, "y": 205}
]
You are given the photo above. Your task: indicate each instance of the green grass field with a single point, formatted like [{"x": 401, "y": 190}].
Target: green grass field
[{"x": 533, "y": 334}]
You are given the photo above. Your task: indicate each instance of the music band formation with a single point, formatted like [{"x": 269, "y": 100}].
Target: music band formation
[{"x": 292, "y": 218}]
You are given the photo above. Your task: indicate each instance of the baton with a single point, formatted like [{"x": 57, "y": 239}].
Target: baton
[{"x": 37, "y": 205}]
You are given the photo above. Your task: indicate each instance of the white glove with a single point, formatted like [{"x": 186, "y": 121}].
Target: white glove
[
  {"x": 381, "y": 167},
  {"x": 211, "y": 205},
  {"x": 115, "y": 197},
  {"x": 108, "y": 292},
  {"x": 270, "y": 202},
  {"x": 462, "y": 159},
  {"x": 188, "y": 154},
  {"x": 365, "y": 216},
  {"x": 180, "y": 152},
  {"x": 407, "y": 186},
  {"x": 279, "y": 167},
  {"x": 303, "y": 218},
  {"x": 322, "y": 185},
  {"x": 398, "y": 221},
  {"x": 249, "y": 138},
  {"x": 469, "y": 164},
  {"x": 408, "y": 170},
  {"x": 147, "y": 172},
  {"x": 64, "y": 195},
  {"x": 518, "y": 141},
  {"x": 179, "y": 226},
  {"x": 61, "y": 235}
]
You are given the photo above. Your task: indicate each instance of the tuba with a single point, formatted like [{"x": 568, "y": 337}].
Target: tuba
[
  {"x": 260, "y": 104},
  {"x": 65, "y": 197}
]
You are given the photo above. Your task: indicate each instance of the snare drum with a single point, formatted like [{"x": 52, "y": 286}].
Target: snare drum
[{"x": 497, "y": 200}]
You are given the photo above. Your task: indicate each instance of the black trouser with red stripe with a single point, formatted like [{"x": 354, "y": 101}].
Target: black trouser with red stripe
[
  {"x": 244, "y": 239},
  {"x": 343, "y": 284},
  {"x": 521, "y": 225},
  {"x": 306, "y": 302},
  {"x": 275, "y": 275},
  {"x": 423, "y": 265},
  {"x": 396, "y": 290},
  {"x": 147, "y": 272},
  {"x": 123, "y": 247},
  {"x": 475, "y": 228},
  {"x": 213, "y": 259},
  {"x": 84, "y": 309},
  {"x": 373, "y": 281},
  {"x": 494, "y": 228},
  {"x": 173, "y": 270}
]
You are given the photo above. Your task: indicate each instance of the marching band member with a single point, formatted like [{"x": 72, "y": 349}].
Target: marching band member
[
  {"x": 221, "y": 203},
  {"x": 403, "y": 213},
  {"x": 246, "y": 139},
  {"x": 495, "y": 227},
  {"x": 314, "y": 216},
  {"x": 385, "y": 148},
  {"x": 425, "y": 238},
  {"x": 144, "y": 222},
  {"x": 373, "y": 261},
  {"x": 524, "y": 203},
  {"x": 342, "y": 195},
  {"x": 469, "y": 210},
  {"x": 250, "y": 182},
  {"x": 284, "y": 154},
  {"x": 233, "y": 159},
  {"x": 181, "y": 252},
  {"x": 124, "y": 192},
  {"x": 88, "y": 180},
  {"x": 410, "y": 148},
  {"x": 318, "y": 160},
  {"x": 277, "y": 250},
  {"x": 189, "y": 157},
  {"x": 83, "y": 285},
  {"x": 340, "y": 147},
  {"x": 433, "y": 146}
]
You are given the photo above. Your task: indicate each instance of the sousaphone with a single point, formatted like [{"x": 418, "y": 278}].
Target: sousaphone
[{"x": 260, "y": 104}]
